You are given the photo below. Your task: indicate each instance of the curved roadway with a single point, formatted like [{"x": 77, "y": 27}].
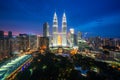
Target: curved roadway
[{"x": 13, "y": 64}]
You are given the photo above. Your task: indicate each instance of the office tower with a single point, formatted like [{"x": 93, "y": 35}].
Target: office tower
[
  {"x": 64, "y": 30},
  {"x": 10, "y": 43},
  {"x": 1, "y": 44},
  {"x": 1, "y": 34},
  {"x": 43, "y": 43},
  {"x": 55, "y": 30},
  {"x": 15, "y": 43},
  {"x": 79, "y": 35},
  {"x": 33, "y": 42},
  {"x": 75, "y": 40},
  {"x": 23, "y": 42},
  {"x": 72, "y": 37},
  {"x": 45, "y": 29},
  {"x": 50, "y": 41},
  {"x": 9, "y": 34},
  {"x": 59, "y": 38}
]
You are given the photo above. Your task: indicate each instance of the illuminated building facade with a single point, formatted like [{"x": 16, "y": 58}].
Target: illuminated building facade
[
  {"x": 79, "y": 36},
  {"x": 33, "y": 42},
  {"x": 5, "y": 45},
  {"x": 55, "y": 30},
  {"x": 71, "y": 37},
  {"x": 43, "y": 43},
  {"x": 64, "y": 30},
  {"x": 23, "y": 42},
  {"x": 59, "y": 38}
]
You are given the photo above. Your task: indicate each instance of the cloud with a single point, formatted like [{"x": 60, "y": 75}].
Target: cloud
[
  {"x": 101, "y": 22},
  {"x": 104, "y": 26}
]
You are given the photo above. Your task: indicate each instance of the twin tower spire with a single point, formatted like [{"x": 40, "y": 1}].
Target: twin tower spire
[
  {"x": 55, "y": 23},
  {"x": 59, "y": 39}
]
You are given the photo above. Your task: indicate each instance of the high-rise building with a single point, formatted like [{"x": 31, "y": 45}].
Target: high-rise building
[
  {"x": 1, "y": 34},
  {"x": 9, "y": 34},
  {"x": 5, "y": 45},
  {"x": 59, "y": 38},
  {"x": 79, "y": 35},
  {"x": 33, "y": 42},
  {"x": 45, "y": 29},
  {"x": 1, "y": 44},
  {"x": 75, "y": 40},
  {"x": 55, "y": 30},
  {"x": 43, "y": 43},
  {"x": 64, "y": 30},
  {"x": 71, "y": 37},
  {"x": 23, "y": 42},
  {"x": 16, "y": 43}
]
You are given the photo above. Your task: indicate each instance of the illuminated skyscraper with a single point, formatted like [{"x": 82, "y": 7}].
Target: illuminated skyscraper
[
  {"x": 55, "y": 30},
  {"x": 79, "y": 37},
  {"x": 64, "y": 30},
  {"x": 71, "y": 37},
  {"x": 59, "y": 38},
  {"x": 45, "y": 29},
  {"x": 23, "y": 42},
  {"x": 32, "y": 41}
]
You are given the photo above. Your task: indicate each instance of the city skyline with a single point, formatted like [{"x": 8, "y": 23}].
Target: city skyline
[{"x": 97, "y": 18}]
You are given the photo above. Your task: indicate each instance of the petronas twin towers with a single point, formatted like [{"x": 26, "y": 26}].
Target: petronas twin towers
[{"x": 59, "y": 38}]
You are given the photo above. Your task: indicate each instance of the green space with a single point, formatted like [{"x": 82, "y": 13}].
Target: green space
[{"x": 56, "y": 67}]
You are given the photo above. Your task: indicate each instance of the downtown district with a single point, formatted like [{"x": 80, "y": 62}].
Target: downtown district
[{"x": 65, "y": 44}]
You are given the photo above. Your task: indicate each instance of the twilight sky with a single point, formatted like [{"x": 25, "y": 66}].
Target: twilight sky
[{"x": 94, "y": 17}]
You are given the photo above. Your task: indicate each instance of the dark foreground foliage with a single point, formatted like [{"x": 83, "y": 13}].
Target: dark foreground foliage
[{"x": 56, "y": 67}]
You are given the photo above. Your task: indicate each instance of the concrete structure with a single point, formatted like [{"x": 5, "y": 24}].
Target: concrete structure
[
  {"x": 59, "y": 38},
  {"x": 9, "y": 34},
  {"x": 5, "y": 45},
  {"x": 43, "y": 42},
  {"x": 33, "y": 42},
  {"x": 79, "y": 37},
  {"x": 9, "y": 70},
  {"x": 64, "y": 30},
  {"x": 71, "y": 37},
  {"x": 55, "y": 29},
  {"x": 45, "y": 29},
  {"x": 23, "y": 42},
  {"x": 1, "y": 34}
]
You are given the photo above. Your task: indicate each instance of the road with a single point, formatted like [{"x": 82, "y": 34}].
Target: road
[{"x": 12, "y": 65}]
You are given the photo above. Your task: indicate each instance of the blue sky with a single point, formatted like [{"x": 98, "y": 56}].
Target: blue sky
[{"x": 96, "y": 17}]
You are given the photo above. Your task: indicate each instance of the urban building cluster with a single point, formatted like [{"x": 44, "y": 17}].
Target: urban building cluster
[
  {"x": 66, "y": 49},
  {"x": 70, "y": 38},
  {"x": 61, "y": 38},
  {"x": 106, "y": 47},
  {"x": 5, "y": 45},
  {"x": 110, "y": 43},
  {"x": 11, "y": 45}
]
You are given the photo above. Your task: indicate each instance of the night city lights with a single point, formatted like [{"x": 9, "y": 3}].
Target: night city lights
[{"x": 59, "y": 39}]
